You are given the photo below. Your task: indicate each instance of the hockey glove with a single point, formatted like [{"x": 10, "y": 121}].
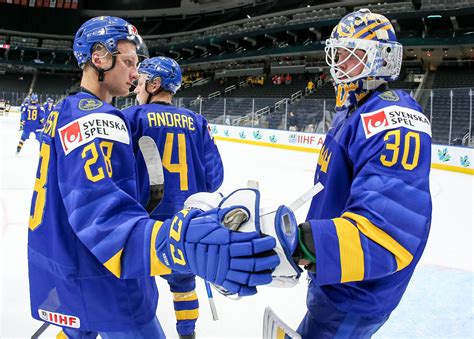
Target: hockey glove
[
  {"x": 278, "y": 222},
  {"x": 204, "y": 201},
  {"x": 197, "y": 242}
]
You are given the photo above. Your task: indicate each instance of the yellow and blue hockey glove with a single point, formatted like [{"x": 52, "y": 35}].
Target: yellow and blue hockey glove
[{"x": 197, "y": 242}]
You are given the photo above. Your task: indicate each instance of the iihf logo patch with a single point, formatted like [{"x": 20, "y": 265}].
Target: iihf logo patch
[{"x": 71, "y": 136}]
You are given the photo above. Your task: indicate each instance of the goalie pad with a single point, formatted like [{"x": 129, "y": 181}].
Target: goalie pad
[{"x": 275, "y": 328}]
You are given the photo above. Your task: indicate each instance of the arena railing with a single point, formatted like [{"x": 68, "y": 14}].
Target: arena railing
[{"x": 448, "y": 110}]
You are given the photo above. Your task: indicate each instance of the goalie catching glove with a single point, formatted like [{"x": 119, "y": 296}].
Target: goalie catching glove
[
  {"x": 278, "y": 222},
  {"x": 197, "y": 242}
]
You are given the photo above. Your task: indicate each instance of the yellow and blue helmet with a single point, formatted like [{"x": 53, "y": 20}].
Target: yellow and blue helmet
[{"x": 372, "y": 33}]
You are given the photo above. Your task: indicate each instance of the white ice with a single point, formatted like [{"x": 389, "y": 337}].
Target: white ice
[{"x": 438, "y": 302}]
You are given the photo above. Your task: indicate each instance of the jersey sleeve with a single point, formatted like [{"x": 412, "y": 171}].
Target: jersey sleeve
[
  {"x": 98, "y": 188},
  {"x": 213, "y": 161},
  {"x": 41, "y": 115},
  {"x": 23, "y": 115},
  {"x": 385, "y": 222}
]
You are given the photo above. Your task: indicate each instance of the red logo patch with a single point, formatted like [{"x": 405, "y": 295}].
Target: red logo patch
[
  {"x": 375, "y": 122},
  {"x": 71, "y": 136},
  {"x": 132, "y": 30}
]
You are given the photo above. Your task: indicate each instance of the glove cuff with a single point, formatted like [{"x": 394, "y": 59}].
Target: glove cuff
[
  {"x": 170, "y": 240},
  {"x": 306, "y": 242}
]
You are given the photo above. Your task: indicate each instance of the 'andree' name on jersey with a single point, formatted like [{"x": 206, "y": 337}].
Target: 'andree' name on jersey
[{"x": 167, "y": 119}]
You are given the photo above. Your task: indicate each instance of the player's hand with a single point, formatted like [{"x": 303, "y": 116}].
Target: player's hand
[
  {"x": 197, "y": 242},
  {"x": 278, "y": 222}
]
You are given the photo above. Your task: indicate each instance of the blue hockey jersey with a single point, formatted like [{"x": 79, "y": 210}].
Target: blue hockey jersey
[
  {"x": 191, "y": 164},
  {"x": 32, "y": 116},
  {"x": 86, "y": 228},
  {"x": 371, "y": 222},
  {"x": 190, "y": 158},
  {"x": 47, "y": 108}
]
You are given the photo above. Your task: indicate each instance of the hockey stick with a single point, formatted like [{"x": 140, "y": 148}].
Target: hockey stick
[
  {"x": 211, "y": 301},
  {"x": 52, "y": 303},
  {"x": 308, "y": 195},
  {"x": 155, "y": 171},
  {"x": 40, "y": 331},
  {"x": 274, "y": 327}
]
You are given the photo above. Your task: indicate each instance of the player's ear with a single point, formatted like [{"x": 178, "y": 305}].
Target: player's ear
[
  {"x": 156, "y": 84},
  {"x": 100, "y": 57}
]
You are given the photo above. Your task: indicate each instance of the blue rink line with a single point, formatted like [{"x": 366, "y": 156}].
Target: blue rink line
[{"x": 438, "y": 303}]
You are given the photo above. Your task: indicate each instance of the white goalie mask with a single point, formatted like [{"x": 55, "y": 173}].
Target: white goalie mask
[{"x": 371, "y": 33}]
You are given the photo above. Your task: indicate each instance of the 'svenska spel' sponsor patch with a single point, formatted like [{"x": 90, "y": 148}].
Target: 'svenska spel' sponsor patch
[
  {"x": 391, "y": 117},
  {"x": 89, "y": 127},
  {"x": 60, "y": 319}
]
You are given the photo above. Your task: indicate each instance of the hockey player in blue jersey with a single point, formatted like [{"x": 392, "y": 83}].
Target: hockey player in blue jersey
[
  {"x": 195, "y": 167},
  {"x": 48, "y": 106},
  {"x": 93, "y": 251},
  {"x": 365, "y": 232},
  {"x": 24, "y": 103},
  {"x": 31, "y": 121}
]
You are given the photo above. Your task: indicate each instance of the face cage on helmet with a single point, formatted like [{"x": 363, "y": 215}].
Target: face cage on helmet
[
  {"x": 382, "y": 60},
  {"x": 350, "y": 45}
]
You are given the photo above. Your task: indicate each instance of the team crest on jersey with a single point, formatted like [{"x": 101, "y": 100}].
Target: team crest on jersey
[
  {"x": 60, "y": 319},
  {"x": 89, "y": 104},
  {"x": 389, "y": 96},
  {"x": 391, "y": 117},
  {"x": 89, "y": 127}
]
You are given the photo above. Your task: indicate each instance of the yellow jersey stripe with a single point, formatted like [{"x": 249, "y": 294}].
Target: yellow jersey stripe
[
  {"x": 350, "y": 251},
  {"x": 280, "y": 333},
  {"x": 61, "y": 335},
  {"x": 185, "y": 296},
  {"x": 156, "y": 267},
  {"x": 402, "y": 255},
  {"x": 114, "y": 264},
  {"x": 187, "y": 314}
]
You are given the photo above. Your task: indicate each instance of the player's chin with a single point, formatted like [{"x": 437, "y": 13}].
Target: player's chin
[{"x": 122, "y": 92}]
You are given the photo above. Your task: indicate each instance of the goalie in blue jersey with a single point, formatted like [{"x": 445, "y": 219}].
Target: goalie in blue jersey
[
  {"x": 191, "y": 163},
  {"x": 93, "y": 251},
  {"x": 366, "y": 231}
]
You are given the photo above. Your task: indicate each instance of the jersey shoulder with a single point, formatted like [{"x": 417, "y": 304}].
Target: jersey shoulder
[
  {"x": 83, "y": 119},
  {"x": 391, "y": 110}
]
